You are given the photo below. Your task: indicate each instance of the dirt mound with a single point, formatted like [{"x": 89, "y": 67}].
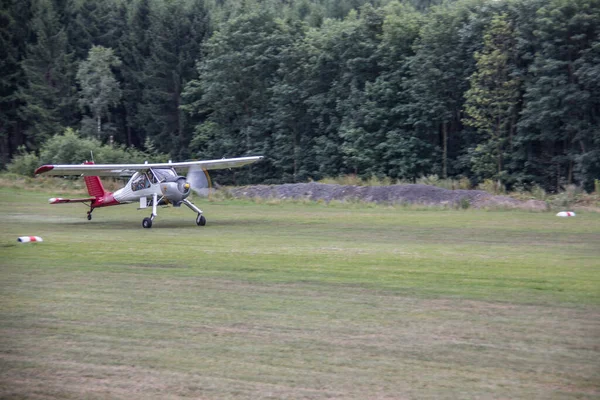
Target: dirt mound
[{"x": 394, "y": 194}]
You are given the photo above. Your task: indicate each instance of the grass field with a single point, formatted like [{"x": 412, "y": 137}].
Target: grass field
[{"x": 297, "y": 301}]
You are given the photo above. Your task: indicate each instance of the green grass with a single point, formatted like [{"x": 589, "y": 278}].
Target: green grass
[{"x": 299, "y": 301}]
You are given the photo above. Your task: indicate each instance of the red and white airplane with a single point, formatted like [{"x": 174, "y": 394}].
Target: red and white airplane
[{"x": 150, "y": 184}]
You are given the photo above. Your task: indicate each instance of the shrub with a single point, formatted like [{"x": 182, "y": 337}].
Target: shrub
[
  {"x": 447, "y": 183},
  {"x": 70, "y": 148},
  {"x": 24, "y": 163},
  {"x": 493, "y": 187}
]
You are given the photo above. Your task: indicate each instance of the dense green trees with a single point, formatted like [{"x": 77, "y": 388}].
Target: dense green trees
[
  {"x": 506, "y": 90},
  {"x": 491, "y": 101}
]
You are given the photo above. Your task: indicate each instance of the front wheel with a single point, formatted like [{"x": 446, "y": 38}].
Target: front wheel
[
  {"x": 200, "y": 220},
  {"x": 147, "y": 223}
]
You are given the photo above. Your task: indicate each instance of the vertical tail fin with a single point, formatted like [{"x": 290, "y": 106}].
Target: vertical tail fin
[{"x": 94, "y": 185}]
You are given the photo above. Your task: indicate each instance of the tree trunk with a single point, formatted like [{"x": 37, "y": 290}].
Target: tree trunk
[
  {"x": 570, "y": 174},
  {"x": 295, "y": 155},
  {"x": 445, "y": 151}
]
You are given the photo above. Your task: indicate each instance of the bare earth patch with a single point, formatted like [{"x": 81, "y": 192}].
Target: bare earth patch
[{"x": 394, "y": 194}]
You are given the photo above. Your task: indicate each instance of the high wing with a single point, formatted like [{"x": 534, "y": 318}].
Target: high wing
[{"x": 130, "y": 169}]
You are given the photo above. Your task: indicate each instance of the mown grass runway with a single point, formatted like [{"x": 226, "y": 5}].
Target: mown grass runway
[{"x": 298, "y": 301}]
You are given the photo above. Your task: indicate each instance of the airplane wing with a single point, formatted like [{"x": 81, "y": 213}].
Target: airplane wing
[{"x": 130, "y": 169}]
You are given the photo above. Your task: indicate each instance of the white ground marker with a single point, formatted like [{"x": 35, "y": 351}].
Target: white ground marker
[
  {"x": 566, "y": 214},
  {"x": 29, "y": 239}
]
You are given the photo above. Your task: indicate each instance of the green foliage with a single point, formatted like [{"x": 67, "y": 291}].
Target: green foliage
[
  {"x": 48, "y": 97},
  {"x": 175, "y": 36},
  {"x": 560, "y": 117},
  {"x": 24, "y": 163},
  {"x": 492, "y": 186},
  {"x": 567, "y": 197},
  {"x": 354, "y": 180},
  {"x": 70, "y": 148},
  {"x": 491, "y": 101},
  {"x": 451, "y": 184},
  {"x": 99, "y": 88},
  {"x": 505, "y": 90},
  {"x": 14, "y": 30}
]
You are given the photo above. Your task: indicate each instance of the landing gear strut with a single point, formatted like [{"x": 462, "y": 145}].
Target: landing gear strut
[
  {"x": 89, "y": 214},
  {"x": 200, "y": 220},
  {"x": 147, "y": 222}
]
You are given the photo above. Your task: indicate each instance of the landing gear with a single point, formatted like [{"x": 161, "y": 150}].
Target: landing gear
[
  {"x": 147, "y": 222},
  {"x": 200, "y": 220},
  {"x": 89, "y": 214}
]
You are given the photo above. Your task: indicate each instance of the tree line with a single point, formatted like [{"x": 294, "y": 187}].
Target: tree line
[{"x": 507, "y": 90}]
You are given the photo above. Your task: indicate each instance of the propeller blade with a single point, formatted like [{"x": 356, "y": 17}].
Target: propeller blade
[{"x": 199, "y": 181}]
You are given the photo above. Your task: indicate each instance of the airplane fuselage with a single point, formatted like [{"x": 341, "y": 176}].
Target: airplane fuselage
[{"x": 163, "y": 182}]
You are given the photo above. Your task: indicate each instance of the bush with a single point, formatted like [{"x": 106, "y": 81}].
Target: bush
[
  {"x": 447, "y": 183},
  {"x": 566, "y": 198},
  {"x": 24, "y": 163},
  {"x": 70, "y": 148},
  {"x": 493, "y": 187}
]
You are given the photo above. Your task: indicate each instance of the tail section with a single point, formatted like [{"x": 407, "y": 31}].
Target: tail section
[{"x": 94, "y": 185}]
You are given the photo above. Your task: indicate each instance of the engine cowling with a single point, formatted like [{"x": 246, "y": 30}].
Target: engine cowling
[{"x": 176, "y": 191}]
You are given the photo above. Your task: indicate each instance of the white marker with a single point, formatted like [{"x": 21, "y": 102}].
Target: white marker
[
  {"x": 566, "y": 214},
  {"x": 28, "y": 239}
]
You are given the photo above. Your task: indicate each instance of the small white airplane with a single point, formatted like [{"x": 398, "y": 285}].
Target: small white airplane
[{"x": 150, "y": 184}]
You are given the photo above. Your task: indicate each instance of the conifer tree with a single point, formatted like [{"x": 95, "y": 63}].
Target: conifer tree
[
  {"x": 560, "y": 119},
  {"x": 14, "y": 32},
  {"x": 176, "y": 33},
  {"x": 491, "y": 101},
  {"x": 49, "y": 96}
]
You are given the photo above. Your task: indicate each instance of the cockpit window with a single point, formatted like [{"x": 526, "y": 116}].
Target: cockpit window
[
  {"x": 164, "y": 174},
  {"x": 141, "y": 182}
]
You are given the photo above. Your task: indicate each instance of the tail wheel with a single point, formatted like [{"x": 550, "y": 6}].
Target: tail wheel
[
  {"x": 147, "y": 223},
  {"x": 200, "y": 220}
]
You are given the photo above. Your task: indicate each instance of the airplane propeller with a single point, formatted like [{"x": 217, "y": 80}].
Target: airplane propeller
[{"x": 199, "y": 181}]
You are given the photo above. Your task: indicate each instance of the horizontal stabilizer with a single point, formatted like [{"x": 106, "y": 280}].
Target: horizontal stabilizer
[{"x": 59, "y": 200}]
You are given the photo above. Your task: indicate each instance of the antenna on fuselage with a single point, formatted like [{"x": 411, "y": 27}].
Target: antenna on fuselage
[{"x": 92, "y": 154}]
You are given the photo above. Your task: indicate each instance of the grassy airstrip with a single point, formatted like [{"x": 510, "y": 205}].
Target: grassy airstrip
[{"x": 297, "y": 301}]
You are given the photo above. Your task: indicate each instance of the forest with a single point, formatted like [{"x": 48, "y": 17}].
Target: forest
[{"x": 502, "y": 90}]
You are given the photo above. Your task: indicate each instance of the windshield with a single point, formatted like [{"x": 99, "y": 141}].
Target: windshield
[{"x": 164, "y": 174}]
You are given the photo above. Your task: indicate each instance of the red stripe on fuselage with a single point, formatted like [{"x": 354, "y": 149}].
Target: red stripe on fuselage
[{"x": 104, "y": 201}]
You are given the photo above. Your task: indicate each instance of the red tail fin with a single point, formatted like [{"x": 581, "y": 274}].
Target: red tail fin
[{"x": 94, "y": 185}]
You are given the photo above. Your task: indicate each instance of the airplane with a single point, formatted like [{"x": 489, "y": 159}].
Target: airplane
[{"x": 152, "y": 184}]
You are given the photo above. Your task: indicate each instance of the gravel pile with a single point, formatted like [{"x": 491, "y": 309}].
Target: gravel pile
[{"x": 394, "y": 194}]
